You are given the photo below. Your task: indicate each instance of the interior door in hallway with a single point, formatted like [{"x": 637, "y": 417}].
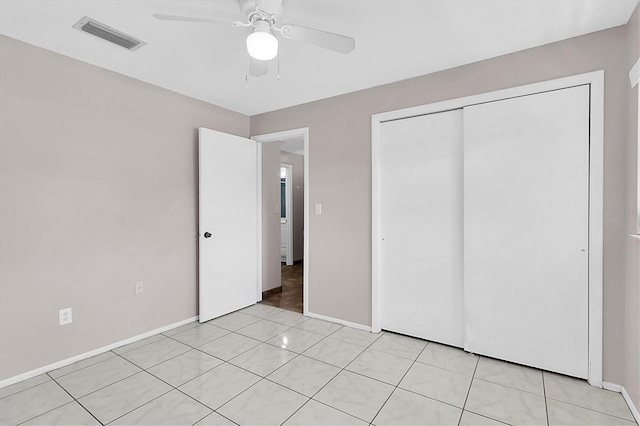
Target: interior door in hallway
[
  {"x": 228, "y": 223},
  {"x": 526, "y": 223},
  {"x": 421, "y": 227}
]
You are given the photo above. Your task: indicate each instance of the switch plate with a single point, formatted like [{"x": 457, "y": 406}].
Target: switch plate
[
  {"x": 65, "y": 316},
  {"x": 318, "y": 208},
  {"x": 139, "y": 287}
]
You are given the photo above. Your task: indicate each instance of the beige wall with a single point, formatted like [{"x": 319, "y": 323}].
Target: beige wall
[
  {"x": 270, "y": 215},
  {"x": 340, "y": 168},
  {"x": 631, "y": 380},
  {"x": 98, "y": 181},
  {"x": 297, "y": 164}
]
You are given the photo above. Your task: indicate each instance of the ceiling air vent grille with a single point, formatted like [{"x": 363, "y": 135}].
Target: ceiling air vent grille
[{"x": 105, "y": 32}]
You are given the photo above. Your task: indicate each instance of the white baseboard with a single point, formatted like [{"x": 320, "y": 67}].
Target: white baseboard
[
  {"x": 632, "y": 407},
  {"x": 68, "y": 361},
  {"x": 339, "y": 321},
  {"x": 617, "y": 388},
  {"x": 612, "y": 387}
]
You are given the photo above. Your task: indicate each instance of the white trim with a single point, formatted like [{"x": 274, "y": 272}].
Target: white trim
[
  {"x": 596, "y": 192},
  {"x": 376, "y": 255},
  {"x": 270, "y": 137},
  {"x": 596, "y": 223},
  {"x": 339, "y": 321},
  {"x": 611, "y": 387},
  {"x": 288, "y": 213},
  {"x": 621, "y": 389},
  {"x": 634, "y": 74},
  {"x": 259, "y": 177},
  {"x": 632, "y": 407},
  {"x": 637, "y": 237},
  {"x": 68, "y": 361}
]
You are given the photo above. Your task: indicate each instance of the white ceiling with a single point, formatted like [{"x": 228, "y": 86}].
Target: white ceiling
[{"x": 395, "y": 40}]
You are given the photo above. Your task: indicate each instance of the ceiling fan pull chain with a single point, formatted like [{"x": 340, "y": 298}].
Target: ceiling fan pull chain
[
  {"x": 246, "y": 71},
  {"x": 278, "y": 67}
]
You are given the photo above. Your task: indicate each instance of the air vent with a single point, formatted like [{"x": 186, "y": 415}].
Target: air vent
[{"x": 105, "y": 32}]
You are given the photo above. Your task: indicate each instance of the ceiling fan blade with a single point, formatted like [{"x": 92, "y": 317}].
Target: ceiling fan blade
[
  {"x": 190, "y": 19},
  {"x": 257, "y": 68},
  {"x": 327, "y": 40}
]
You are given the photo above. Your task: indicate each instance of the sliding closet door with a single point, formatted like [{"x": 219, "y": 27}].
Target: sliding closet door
[
  {"x": 421, "y": 227},
  {"x": 526, "y": 203}
]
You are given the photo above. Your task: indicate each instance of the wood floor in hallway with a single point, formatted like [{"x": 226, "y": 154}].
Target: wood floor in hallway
[{"x": 291, "y": 296}]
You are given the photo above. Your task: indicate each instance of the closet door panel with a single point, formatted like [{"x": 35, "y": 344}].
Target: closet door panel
[
  {"x": 526, "y": 203},
  {"x": 421, "y": 224}
]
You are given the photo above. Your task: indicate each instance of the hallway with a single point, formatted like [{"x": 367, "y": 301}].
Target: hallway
[{"x": 291, "y": 296}]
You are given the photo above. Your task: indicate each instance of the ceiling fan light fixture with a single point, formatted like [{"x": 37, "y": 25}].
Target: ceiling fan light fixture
[{"x": 261, "y": 43}]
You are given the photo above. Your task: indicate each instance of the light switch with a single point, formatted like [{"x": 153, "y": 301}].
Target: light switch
[{"x": 318, "y": 208}]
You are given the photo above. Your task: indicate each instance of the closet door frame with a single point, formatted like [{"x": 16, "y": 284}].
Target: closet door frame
[{"x": 595, "y": 80}]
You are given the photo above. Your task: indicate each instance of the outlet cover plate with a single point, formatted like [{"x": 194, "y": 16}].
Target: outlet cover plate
[{"x": 65, "y": 316}]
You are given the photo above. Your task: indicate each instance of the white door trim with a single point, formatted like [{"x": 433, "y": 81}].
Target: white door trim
[
  {"x": 277, "y": 136},
  {"x": 596, "y": 192},
  {"x": 288, "y": 209}
]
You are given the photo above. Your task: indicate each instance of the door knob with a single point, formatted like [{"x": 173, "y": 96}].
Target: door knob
[{"x": 207, "y": 234}]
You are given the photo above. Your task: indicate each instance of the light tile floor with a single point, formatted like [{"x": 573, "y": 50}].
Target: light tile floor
[{"x": 266, "y": 366}]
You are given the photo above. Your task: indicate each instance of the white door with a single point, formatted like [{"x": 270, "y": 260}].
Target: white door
[
  {"x": 228, "y": 223},
  {"x": 421, "y": 227},
  {"x": 526, "y": 204}
]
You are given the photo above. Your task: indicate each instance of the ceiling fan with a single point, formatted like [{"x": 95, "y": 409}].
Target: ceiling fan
[{"x": 262, "y": 45}]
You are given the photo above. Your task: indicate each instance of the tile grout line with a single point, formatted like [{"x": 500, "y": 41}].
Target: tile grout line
[
  {"x": 74, "y": 400},
  {"x": 509, "y": 387},
  {"x": 263, "y": 378},
  {"x": 330, "y": 380},
  {"x": 362, "y": 375},
  {"x": 30, "y": 387},
  {"x": 105, "y": 386},
  {"x": 399, "y": 381},
  {"x": 174, "y": 388},
  {"x": 473, "y": 376},
  {"x": 48, "y": 373},
  {"x": 592, "y": 410},
  {"x": 334, "y": 366},
  {"x": 544, "y": 394},
  {"x": 310, "y": 397}
]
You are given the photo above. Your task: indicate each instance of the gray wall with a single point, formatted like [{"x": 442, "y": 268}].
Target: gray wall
[
  {"x": 270, "y": 215},
  {"x": 631, "y": 380},
  {"x": 297, "y": 164},
  {"x": 98, "y": 181},
  {"x": 340, "y": 168}
]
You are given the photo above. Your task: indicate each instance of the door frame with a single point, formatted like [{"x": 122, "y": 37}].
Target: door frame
[
  {"x": 288, "y": 181},
  {"x": 273, "y": 137},
  {"x": 596, "y": 192}
]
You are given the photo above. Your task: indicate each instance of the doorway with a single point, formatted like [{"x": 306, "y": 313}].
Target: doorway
[
  {"x": 283, "y": 223},
  {"x": 286, "y": 213}
]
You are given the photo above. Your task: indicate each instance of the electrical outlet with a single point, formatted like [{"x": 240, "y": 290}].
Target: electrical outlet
[
  {"x": 139, "y": 287},
  {"x": 65, "y": 316}
]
